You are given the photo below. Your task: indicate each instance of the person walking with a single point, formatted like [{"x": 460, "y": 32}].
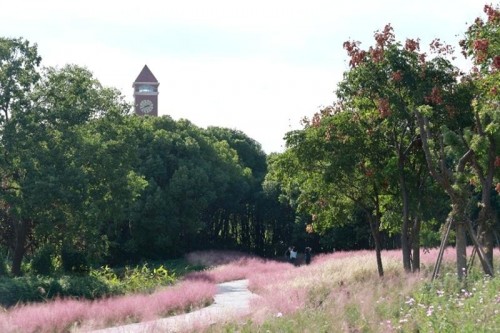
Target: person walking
[
  {"x": 293, "y": 255},
  {"x": 287, "y": 253}
]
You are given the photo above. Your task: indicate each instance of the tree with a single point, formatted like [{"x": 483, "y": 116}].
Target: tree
[
  {"x": 239, "y": 204},
  {"x": 468, "y": 139},
  {"x": 383, "y": 84},
  {"x": 400, "y": 83},
  {"x": 335, "y": 166},
  {"x": 19, "y": 63},
  {"x": 482, "y": 43},
  {"x": 70, "y": 166}
]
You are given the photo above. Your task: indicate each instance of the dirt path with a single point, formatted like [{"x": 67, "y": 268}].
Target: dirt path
[{"x": 231, "y": 300}]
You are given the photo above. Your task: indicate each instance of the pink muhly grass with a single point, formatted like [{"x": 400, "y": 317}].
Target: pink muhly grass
[
  {"x": 215, "y": 258},
  {"x": 427, "y": 256},
  {"x": 55, "y": 316},
  {"x": 62, "y": 314},
  {"x": 147, "y": 307},
  {"x": 281, "y": 301},
  {"x": 320, "y": 258},
  {"x": 242, "y": 268},
  {"x": 336, "y": 276}
]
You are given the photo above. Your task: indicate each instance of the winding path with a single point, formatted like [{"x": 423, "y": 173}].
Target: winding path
[{"x": 232, "y": 300}]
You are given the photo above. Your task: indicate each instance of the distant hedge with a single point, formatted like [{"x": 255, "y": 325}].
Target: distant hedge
[{"x": 36, "y": 289}]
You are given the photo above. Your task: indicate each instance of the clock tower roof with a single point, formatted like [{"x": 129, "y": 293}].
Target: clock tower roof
[{"x": 146, "y": 76}]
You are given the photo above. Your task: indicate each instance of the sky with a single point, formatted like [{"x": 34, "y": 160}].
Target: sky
[{"x": 257, "y": 66}]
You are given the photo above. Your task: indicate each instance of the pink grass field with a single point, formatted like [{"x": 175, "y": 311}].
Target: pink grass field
[
  {"x": 284, "y": 288},
  {"x": 281, "y": 288},
  {"x": 63, "y": 314}
]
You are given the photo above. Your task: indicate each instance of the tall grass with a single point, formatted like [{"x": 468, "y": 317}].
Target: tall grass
[
  {"x": 64, "y": 314},
  {"x": 235, "y": 268},
  {"x": 342, "y": 292},
  {"x": 338, "y": 292}
]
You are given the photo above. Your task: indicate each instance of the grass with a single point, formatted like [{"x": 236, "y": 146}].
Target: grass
[
  {"x": 342, "y": 292},
  {"x": 338, "y": 292},
  {"x": 63, "y": 314}
]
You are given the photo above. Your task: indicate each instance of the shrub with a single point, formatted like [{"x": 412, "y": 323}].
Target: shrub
[
  {"x": 137, "y": 279},
  {"x": 74, "y": 261},
  {"x": 36, "y": 288},
  {"x": 42, "y": 263},
  {"x": 87, "y": 287},
  {"x": 12, "y": 291},
  {"x": 4, "y": 271}
]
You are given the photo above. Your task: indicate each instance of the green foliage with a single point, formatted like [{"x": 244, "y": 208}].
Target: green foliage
[
  {"x": 36, "y": 288},
  {"x": 146, "y": 279},
  {"x": 353, "y": 315},
  {"x": 74, "y": 261},
  {"x": 19, "y": 61},
  {"x": 430, "y": 234},
  {"x": 136, "y": 279},
  {"x": 199, "y": 183},
  {"x": 85, "y": 286},
  {"x": 81, "y": 171},
  {"x": 448, "y": 305},
  {"x": 19, "y": 74},
  {"x": 108, "y": 276},
  {"x": 98, "y": 283},
  {"x": 43, "y": 260},
  {"x": 3, "y": 265}
]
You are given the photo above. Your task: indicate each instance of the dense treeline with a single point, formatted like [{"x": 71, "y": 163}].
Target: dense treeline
[{"x": 85, "y": 182}]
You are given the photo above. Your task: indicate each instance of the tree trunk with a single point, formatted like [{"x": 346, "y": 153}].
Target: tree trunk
[
  {"x": 461, "y": 239},
  {"x": 405, "y": 230},
  {"x": 486, "y": 221},
  {"x": 446, "y": 180},
  {"x": 20, "y": 230},
  {"x": 487, "y": 241},
  {"x": 487, "y": 215},
  {"x": 374, "y": 226},
  {"x": 416, "y": 245}
]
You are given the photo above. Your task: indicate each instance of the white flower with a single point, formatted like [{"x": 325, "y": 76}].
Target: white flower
[
  {"x": 430, "y": 310},
  {"x": 410, "y": 301}
]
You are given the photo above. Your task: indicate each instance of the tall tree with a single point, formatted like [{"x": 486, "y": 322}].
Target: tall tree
[
  {"x": 482, "y": 43},
  {"x": 384, "y": 83},
  {"x": 19, "y": 61},
  {"x": 400, "y": 82},
  {"x": 70, "y": 168},
  {"x": 338, "y": 167}
]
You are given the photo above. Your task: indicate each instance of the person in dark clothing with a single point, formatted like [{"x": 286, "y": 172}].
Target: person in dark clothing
[
  {"x": 287, "y": 253},
  {"x": 307, "y": 255}
]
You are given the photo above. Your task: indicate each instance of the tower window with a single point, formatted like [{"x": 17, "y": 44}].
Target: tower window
[{"x": 146, "y": 88}]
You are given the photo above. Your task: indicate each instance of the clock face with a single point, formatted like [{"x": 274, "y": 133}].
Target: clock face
[{"x": 146, "y": 106}]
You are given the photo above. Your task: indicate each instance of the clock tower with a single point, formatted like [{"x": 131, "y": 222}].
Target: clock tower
[{"x": 146, "y": 93}]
